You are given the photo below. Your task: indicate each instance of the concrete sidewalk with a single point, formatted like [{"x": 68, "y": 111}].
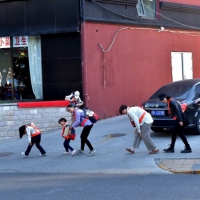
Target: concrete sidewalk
[
  {"x": 109, "y": 137},
  {"x": 180, "y": 165}
]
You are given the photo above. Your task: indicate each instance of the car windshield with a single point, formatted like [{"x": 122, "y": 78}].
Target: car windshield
[{"x": 175, "y": 91}]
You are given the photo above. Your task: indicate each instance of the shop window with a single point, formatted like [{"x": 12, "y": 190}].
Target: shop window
[
  {"x": 146, "y": 8},
  {"x": 20, "y": 68}
]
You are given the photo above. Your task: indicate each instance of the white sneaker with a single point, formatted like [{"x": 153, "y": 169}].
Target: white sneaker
[
  {"x": 73, "y": 152},
  {"x": 92, "y": 153},
  {"x": 80, "y": 151},
  {"x": 23, "y": 154},
  {"x": 42, "y": 154},
  {"x": 66, "y": 153}
]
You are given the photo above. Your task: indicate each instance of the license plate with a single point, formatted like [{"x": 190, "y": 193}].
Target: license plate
[{"x": 158, "y": 112}]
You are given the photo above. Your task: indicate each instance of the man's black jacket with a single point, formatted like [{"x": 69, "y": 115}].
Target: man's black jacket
[{"x": 176, "y": 110}]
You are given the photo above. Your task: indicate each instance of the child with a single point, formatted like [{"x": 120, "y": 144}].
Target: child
[
  {"x": 75, "y": 99},
  {"x": 34, "y": 137},
  {"x": 66, "y": 134}
]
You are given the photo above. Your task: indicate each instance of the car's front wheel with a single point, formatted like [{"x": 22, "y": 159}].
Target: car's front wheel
[
  {"x": 197, "y": 128},
  {"x": 157, "y": 129}
]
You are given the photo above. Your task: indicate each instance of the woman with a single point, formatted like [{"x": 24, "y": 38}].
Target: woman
[{"x": 81, "y": 120}]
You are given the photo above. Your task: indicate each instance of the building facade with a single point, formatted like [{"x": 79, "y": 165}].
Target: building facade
[
  {"x": 113, "y": 51},
  {"x": 133, "y": 47},
  {"x": 40, "y": 49}
]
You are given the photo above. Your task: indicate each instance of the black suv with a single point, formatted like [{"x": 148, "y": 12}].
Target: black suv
[{"x": 185, "y": 91}]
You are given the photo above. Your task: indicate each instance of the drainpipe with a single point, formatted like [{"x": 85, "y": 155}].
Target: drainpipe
[{"x": 83, "y": 52}]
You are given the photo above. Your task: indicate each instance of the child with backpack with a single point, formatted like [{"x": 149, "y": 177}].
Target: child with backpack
[
  {"x": 75, "y": 99},
  {"x": 68, "y": 135},
  {"x": 34, "y": 137}
]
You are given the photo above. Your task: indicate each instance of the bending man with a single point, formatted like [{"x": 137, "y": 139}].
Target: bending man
[{"x": 142, "y": 120}]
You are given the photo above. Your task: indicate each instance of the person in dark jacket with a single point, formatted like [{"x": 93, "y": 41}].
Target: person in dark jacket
[{"x": 175, "y": 111}]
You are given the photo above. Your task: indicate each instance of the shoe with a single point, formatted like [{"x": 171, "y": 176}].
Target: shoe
[
  {"x": 154, "y": 151},
  {"x": 92, "y": 153},
  {"x": 80, "y": 152},
  {"x": 73, "y": 152},
  {"x": 66, "y": 153},
  {"x": 186, "y": 150},
  {"x": 42, "y": 154},
  {"x": 129, "y": 150},
  {"x": 169, "y": 150},
  {"x": 23, "y": 154}
]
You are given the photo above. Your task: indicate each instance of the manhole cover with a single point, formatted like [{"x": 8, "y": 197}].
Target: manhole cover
[
  {"x": 112, "y": 135},
  {"x": 5, "y": 154}
]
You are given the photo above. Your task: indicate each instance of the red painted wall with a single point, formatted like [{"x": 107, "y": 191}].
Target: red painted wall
[
  {"x": 138, "y": 63},
  {"x": 189, "y": 2}
]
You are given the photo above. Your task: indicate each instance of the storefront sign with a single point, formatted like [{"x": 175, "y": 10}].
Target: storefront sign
[
  {"x": 18, "y": 41},
  {"x": 5, "y": 42}
]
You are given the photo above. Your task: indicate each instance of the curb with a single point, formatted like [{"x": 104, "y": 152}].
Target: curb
[{"x": 160, "y": 164}]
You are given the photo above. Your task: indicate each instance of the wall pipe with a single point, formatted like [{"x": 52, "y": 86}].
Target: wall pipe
[{"x": 83, "y": 52}]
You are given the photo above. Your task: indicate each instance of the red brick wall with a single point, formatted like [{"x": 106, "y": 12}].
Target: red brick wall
[{"x": 138, "y": 63}]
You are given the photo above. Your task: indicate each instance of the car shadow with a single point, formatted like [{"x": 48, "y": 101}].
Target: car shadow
[
  {"x": 164, "y": 133},
  {"x": 167, "y": 133}
]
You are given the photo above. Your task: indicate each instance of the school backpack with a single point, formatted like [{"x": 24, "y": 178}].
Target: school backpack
[
  {"x": 91, "y": 115},
  {"x": 68, "y": 133}
]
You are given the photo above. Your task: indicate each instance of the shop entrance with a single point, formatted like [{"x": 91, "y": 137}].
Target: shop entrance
[{"x": 16, "y": 78}]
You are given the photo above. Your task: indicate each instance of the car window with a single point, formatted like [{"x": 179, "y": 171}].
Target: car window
[
  {"x": 196, "y": 92},
  {"x": 175, "y": 91}
]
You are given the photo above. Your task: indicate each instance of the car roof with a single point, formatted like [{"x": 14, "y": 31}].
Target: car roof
[{"x": 185, "y": 82}]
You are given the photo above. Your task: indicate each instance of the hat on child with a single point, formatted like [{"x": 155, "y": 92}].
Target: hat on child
[{"x": 76, "y": 94}]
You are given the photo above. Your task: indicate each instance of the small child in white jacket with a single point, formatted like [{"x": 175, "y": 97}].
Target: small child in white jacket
[{"x": 34, "y": 137}]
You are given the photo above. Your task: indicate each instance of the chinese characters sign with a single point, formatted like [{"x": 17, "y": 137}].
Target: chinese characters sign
[
  {"x": 18, "y": 41},
  {"x": 5, "y": 42}
]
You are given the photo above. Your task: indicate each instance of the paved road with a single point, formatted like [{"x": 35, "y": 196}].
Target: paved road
[
  {"x": 111, "y": 156},
  {"x": 98, "y": 186}
]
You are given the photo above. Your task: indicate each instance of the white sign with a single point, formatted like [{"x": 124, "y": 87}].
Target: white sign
[
  {"x": 20, "y": 41},
  {"x": 4, "y": 42}
]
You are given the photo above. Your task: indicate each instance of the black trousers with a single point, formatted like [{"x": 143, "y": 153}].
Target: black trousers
[
  {"x": 84, "y": 135},
  {"x": 67, "y": 146},
  {"x": 179, "y": 130},
  {"x": 35, "y": 140}
]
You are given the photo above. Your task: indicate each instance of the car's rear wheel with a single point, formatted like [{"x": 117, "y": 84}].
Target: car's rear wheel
[
  {"x": 197, "y": 128},
  {"x": 157, "y": 129}
]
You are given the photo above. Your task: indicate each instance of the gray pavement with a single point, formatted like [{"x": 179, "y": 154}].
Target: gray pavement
[{"x": 111, "y": 157}]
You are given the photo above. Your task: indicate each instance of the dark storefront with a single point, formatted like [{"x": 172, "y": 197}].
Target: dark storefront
[{"x": 45, "y": 59}]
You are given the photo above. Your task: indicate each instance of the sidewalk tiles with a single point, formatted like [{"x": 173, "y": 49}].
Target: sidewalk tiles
[{"x": 179, "y": 165}]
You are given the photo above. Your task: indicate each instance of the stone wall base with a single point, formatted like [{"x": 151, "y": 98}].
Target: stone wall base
[{"x": 12, "y": 117}]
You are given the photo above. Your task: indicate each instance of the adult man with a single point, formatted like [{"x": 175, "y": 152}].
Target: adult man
[
  {"x": 175, "y": 111},
  {"x": 142, "y": 120},
  {"x": 81, "y": 120}
]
